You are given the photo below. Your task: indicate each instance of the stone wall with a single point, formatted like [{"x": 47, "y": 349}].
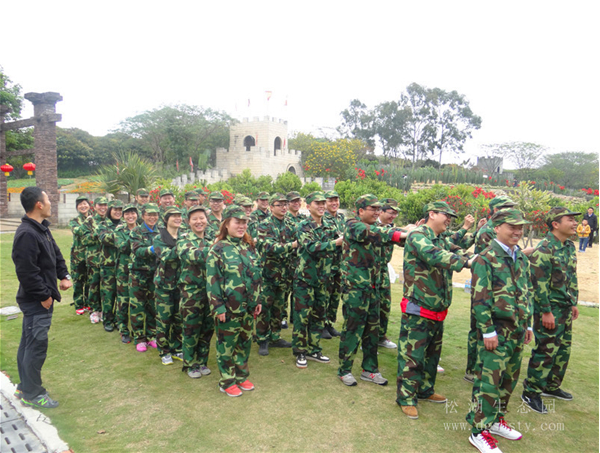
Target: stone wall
[{"x": 63, "y": 209}]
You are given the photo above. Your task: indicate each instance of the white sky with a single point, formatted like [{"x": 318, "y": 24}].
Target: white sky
[{"x": 528, "y": 68}]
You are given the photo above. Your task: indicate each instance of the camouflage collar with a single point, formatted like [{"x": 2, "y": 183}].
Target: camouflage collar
[{"x": 554, "y": 242}]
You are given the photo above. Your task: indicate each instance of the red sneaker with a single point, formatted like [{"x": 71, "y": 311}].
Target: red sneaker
[
  {"x": 234, "y": 391},
  {"x": 80, "y": 311},
  {"x": 246, "y": 385}
]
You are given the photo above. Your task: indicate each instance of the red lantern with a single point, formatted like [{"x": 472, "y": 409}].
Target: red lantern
[
  {"x": 6, "y": 168},
  {"x": 30, "y": 167}
]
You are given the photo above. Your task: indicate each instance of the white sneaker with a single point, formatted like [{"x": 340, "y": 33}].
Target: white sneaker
[
  {"x": 167, "y": 360},
  {"x": 95, "y": 317},
  {"x": 440, "y": 369},
  {"x": 348, "y": 379},
  {"x": 387, "y": 344},
  {"x": 376, "y": 378},
  {"x": 484, "y": 442},
  {"x": 501, "y": 428}
]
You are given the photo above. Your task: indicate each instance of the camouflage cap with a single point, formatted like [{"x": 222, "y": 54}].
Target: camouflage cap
[
  {"x": 191, "y": 195},
  {"x": 332, "y": 194},
  {"x": 263, "y": 196},
  {"x": 142, "y": 193},
  {"x": 216, "y": 196},
  {"x": 196, "y": 209},
  {"x": 101, "y": 200},
  {"x": 80, "y": 199},
  {"x": 115, "y": 204},
  {"x": 234, "y": 211},
  {"x": 314, "y": 196},
  {"x": 245, "y": 201},
  {"x": 171, "y": 211},
  {"x": 200, "y": 192},
  {"x": 439, "y": 206},
  {"x": 389, "y": 203},
  {"x": 501, "y": 202},
  {"x": 509, "y": 215},
  {"x": 558, "y": 212},
  {"x": 366, "y": 200},
  {"x": 130, "y": 207},
  {"x": 293, "y": 195},
  {"x": 164, "y": 192},
  {"x": 277, "y": 197},
  {"x": 150, "y": 208}
]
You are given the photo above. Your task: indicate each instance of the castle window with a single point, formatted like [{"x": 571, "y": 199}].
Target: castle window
[
  {"x": 249, "y": 141},
  {"x": 292, "y": 169},
  {"x": 277, "y": 145}
]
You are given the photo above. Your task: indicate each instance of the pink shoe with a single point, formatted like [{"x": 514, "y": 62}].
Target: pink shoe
[
  {"x": 141, "y": 347},
  {"x": 152, "y": 344}
]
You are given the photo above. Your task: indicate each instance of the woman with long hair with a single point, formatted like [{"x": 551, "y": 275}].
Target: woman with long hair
[{"x": 233, "y": 286}]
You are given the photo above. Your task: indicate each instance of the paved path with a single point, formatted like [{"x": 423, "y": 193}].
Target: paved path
[{"x": 9, "y": 225}]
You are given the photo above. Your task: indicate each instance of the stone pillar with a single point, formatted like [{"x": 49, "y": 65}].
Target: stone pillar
[
  {"x": 191, "y": 177},
  {"x": 44, "y": 137},
  {"x": 183, "y": 180},
  {"x": 3, "y": 179}
]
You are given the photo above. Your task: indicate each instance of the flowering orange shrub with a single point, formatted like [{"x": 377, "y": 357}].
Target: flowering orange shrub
[
  {"x": 87, "y": 187},
  {"x": 15, "y": 189}
]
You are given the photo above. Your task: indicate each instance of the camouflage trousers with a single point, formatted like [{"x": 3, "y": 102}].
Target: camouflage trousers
[
  {"x": 168, "y": 320},
  {"x": 550, "y": 357},
  {"x": 496, "y": 379},
  {"x": 333, "y": 299},
  {"x": 419, "y": 349},
  {"x": 234, "y": 341},
  {"x": 385, "y": 306},
  {"x": 142, "y": 310},
  {"x": 122, "y": 309},
  {"x": 268, "y": 322},
  {"x": 309, "y": 317},
  {"x": 472, "y": 362},
  {"x": 108, "y": 293},
  {"x": 361, "y": 324},
  {"x": 198, "y": 326},
  {"x": 79, "y": 276},
  {"x": 94, "y": 296}
]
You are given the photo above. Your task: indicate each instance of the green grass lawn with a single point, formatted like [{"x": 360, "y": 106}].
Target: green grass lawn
[
  {"x": 144, "y": 406},
  {"x": 29, "y": 182}
]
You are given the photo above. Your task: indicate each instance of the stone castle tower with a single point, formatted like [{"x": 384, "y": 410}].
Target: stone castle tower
[{"x": 261, "y": 146}]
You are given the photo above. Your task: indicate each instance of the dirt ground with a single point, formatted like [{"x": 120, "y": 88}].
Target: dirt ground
[{"x": 587, "y": 272}]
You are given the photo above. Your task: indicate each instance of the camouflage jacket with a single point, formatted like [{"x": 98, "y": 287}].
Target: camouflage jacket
[
  {"x": 90, "y": 240},
  {"x": 274, "y": 242},
  {"x": 168, "y": 268},
  {"x": 259, "y": 215},
  {"x": 294, "y": 221},
  {"x": 554, "y": 274},
  {"x": 316, "y": 247},
  {"x": 193, "y": 252},
  {"x": 461, "y": 237},
  {"x": 213, "y": 224},
  {"x": 123, "y": 244},
  {"x": 364, "y": 257},
  {"x": 109, "y": 253},
  {"x": 339, "y": 222},
  {"x": 501, "y": 296},
  {"x": 429, "y": 261},
  {"x": 142, "y": 257},
  {"x": 77, "y": 248},
  {"x": 233, "y": 277},
  {"x": 484, "y": 237},
  {"x": 388, "y": 253}
]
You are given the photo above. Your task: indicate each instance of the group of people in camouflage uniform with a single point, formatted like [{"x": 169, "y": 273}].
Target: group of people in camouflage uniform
[{"x": 172, "y": 277}]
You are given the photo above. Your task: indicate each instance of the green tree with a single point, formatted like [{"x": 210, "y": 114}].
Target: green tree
[
  {"x": 578, "y": 169},
  {"x": 10, "y": 95},
  {"x": 287, "y": 182},
  {"x": 176, "y": 133},
  {"x": 129, "y": 172}
]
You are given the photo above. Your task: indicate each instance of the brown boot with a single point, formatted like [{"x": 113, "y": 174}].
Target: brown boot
[
  {"x": 410, "y": 411},
  {"x": 435, "y": 398}
]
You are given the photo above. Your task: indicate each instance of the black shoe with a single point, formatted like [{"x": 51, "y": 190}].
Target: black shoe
[
  {"x": 317, "y": 357},
  {"x": 263, "y": 348},
  {"x": 109, "y": 327},
  {"x": 325, "y": 335},
  {"x": 284, "y": 324},
  {"x": 534, "y": 401},
  {"x": 333, "y": 332},
  {"x": 281, "y": 343},
  {"x": 125, "y": 339},
  {"x": 559, "y": 394}
]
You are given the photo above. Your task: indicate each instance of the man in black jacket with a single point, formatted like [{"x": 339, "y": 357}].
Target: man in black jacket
[
  {"x": 593, "y": 223},
  {"x": 38, "y": 264}
]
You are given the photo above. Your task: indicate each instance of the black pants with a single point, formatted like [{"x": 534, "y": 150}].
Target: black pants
[
  {"x": 32, "y": 354},
  {"x": 591, "y": 241}
]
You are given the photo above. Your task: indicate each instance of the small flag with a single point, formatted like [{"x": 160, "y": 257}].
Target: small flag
[
  {"x": 248, "y": 102},
  {"x": 284, "y": 141},
  {"x": 256, "y": 143},
  {"x": 285, "y": 103},
  {"x": 177, "y": 164},
  {"x": 191, "y": 163},
  {"x": 269, "y": 94}
]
